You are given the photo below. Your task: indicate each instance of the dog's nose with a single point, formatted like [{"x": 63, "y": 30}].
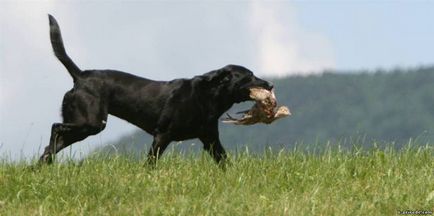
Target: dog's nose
[{"x": 270, "y": 85}]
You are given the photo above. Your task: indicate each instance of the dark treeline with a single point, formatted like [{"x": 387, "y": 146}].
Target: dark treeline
[{"x": 345, "y": 108}]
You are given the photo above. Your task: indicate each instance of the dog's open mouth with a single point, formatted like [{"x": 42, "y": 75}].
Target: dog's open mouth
[{"x": 263, "y": 111}]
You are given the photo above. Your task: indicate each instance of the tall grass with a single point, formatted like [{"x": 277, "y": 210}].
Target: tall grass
[{"x": 332, "y": 182}]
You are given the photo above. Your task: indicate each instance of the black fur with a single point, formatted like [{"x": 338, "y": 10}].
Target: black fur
[{"x": 170, "y": 111}]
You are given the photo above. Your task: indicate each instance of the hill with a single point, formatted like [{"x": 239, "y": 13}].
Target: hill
[{"x": 344, "y": 108}]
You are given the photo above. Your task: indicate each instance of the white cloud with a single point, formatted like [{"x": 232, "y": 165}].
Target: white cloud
[{"x": 283, "y": 46}]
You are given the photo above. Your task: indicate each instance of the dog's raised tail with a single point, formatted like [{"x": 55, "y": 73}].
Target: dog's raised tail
[{"x": 59, "y": 49}]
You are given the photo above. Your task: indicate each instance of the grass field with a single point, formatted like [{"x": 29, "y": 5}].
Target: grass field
[{"x": 333, "y": 182}]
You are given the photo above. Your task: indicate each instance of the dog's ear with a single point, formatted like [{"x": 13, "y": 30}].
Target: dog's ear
[{"x": 216, "y": 77}]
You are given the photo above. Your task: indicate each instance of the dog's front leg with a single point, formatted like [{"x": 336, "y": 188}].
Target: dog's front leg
[
  {"x": 214, "y": 147},
  {"x": 211, "y": 144}
]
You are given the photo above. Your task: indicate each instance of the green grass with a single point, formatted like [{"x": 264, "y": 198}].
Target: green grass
[{"x": 334, "y": 182}]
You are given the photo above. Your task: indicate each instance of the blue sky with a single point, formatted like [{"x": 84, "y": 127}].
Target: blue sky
[
  {"x": 170, "y": 39},
  {"x": 371, "y": 34}
]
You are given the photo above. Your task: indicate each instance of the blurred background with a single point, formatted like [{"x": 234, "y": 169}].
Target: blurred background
[{"x": 350, "y": 71}]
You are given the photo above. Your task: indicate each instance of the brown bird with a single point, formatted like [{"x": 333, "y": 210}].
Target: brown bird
[{"x": 263, "y": 111}]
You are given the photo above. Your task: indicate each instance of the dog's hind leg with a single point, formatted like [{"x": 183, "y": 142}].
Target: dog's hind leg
[
  {"x": 83, "y": 115},
  {"x": 65, "y": 134},
  {"x": 159, "y": 144}
]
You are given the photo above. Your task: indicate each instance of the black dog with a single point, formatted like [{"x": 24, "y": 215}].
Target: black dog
[{"x": 171, "y": 111}]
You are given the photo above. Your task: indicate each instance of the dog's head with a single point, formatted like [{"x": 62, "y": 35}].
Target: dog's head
[{"x": 234, "y": 82}]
